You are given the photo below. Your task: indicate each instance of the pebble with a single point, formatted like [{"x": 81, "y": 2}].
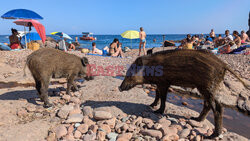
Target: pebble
[
  {"x": 169, "y": 130},
  {"x": 66, "y": 98},
  {"x": 152, "y": 133},
  {"x": 83, "y": 128},
  {"x": 173, "y": 137},
  {"x": 164, "y": 122},
  {"x": 31, "y": 108},
  {"x": 87, "y": 111},
  {"x": 60, "y": 131},
  {"x": 112, "y": 136},
  {"x": 124, "y": 137},
  {"x": 64, "y": 111},
  {"x": 111, "y": 122},
  {"x": 22, "y": 112},
  {"x": 102, "y": 115},
  {"x": 184, "y": 133},
  {"x": 195, "y": 123},
  {"x": 93, "y": 128},
  {"x": 88, "y": 121},
  {"x": 69, "y": 137},
  {"x": 70, "y": 129},
  {"x": 101, "y": 135},
  {"x": 77, "y": 125},
  {"x": 89, "y": 137},
  {"x": 74, "y": 118},
  {"x": 51, "y": 137},
  {"x": 106, "y": 128},
  {"x": 77, "y": 134},
  {"x": 184, "y": 103},
  {"x": 75, "y": 100}
]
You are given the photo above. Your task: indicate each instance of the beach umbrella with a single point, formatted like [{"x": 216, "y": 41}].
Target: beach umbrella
[
  {"x": 61, "y": 34},
  {"x": 33, "y": 36},
  {"x": 38, "y": 26},
  {"x": 130, "y": 34},
  {"x": 21, "y": 14}
]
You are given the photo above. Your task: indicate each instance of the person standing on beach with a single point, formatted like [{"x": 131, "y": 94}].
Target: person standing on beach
[
  {"x": 142, "y": 36},
  {"x": 212, "y": 34}
]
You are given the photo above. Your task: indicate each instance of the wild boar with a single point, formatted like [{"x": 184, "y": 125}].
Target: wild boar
[
  {"x": 46, "y": 63},
  {"x": 186, "y": 68}
]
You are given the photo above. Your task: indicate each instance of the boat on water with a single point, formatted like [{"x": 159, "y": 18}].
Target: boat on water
[{"x": 87, "y": 36}]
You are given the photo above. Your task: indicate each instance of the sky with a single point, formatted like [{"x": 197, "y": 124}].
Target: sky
[{"x": 116, "y": 16}]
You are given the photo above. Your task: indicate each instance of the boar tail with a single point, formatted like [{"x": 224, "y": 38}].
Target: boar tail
[{"x": 238, "y": 77}]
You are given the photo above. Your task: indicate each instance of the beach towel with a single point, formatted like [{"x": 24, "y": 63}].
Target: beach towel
[
  {"x": 238, "y": 50},
  {"x": 4, "y": 47}
]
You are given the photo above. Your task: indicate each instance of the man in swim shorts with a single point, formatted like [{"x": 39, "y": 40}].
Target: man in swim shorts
[{"x": 142, "y": 36}]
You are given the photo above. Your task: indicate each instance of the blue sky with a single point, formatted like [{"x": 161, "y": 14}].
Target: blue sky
[{"x": 116, "y": 16}]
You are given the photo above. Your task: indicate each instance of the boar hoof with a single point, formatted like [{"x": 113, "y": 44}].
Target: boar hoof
[
  {"x": 153, "y": 105},
  {"x": 74, "y": 89},
  {"x": 47, "y": 105},
  {"x": 159, "y": 111},
  {"x": 214, "y": 135},
  {"x": 197, "y": 119}
]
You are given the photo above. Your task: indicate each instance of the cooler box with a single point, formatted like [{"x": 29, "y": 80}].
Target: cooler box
[{"x": 33, "y": 46}]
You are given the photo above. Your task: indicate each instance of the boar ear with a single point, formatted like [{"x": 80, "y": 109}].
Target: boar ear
[{"x": 84, "y": 61}]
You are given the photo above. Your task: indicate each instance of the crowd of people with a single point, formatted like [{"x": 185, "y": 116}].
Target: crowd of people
[{"x": 227, "y": 43}]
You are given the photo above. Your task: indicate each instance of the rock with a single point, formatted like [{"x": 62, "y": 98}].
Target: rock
[
  {"x": 195, "y": 123},
  {"x": 157, "y": 126},
  {"x": 102, "y": 115},
  {"x": 22, "y": 113},
  {"x": 101, "y": 135},
  {"x": 77, "y": 125},
  {"x": 66, "y": 98},
  {"x": 169, "y": 130},
  {"x": 124, "y": 137},
  {"x": 137, "y": 121},
  {"x": 184, "y": 133},
  {"x": 173, "y": 137},
  {"x": 177, "y": 126},
  {"x": 106, "y": 128},
  {"x": 112, "y": 136},
  {"x": 184, "y": 103},
  {"x": 75, "y": 100},
  {"x": 89, "y": 137},
  {"x": 87, "y": 111},
  {"x": 201, "y": 130},
  {"x": 88, "y": 121},
  {"x": 188, "y": 126},
  {"x": 70, "y": 129},
  {"x": 77, "y": 134},
  {"x": 197, "y": 138},
  {"x": 60, "y": 131},
  {"x": 124, "y": 128},
  {"x": 69, "y": 137},
  {"x": 111, "y": 122},
  {"x": 51, "y": 137},
  {"x": 164, "y": 122},
  {"x": 74, "y": 118},
  {"x": 76, "y": 110},
  {"x": 31, "y": 108},
  {"x": 118, "y": 127},
  {"x": 93, "y": 128},
  {"x": 152, "y": 133},
  {"x": 64, "y": 111},
  {"x": 83, "y": 128}
]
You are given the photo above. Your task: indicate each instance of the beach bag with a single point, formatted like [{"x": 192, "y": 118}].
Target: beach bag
[{"x": 33, "y": 46}]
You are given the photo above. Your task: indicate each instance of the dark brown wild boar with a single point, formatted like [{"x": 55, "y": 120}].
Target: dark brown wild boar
[
  {"x": 185, "y": 68},
  {"x": 46, "y": 63}
]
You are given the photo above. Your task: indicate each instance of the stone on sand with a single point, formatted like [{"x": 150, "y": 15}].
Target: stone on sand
[{"x": 102, "y": 115}]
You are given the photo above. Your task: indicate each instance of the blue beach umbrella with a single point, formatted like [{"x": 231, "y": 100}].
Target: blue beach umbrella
[
  {"x": 61, "y": 34},
  {"x": 33, "y": 36},
  {"x": 21, "y": 14}
]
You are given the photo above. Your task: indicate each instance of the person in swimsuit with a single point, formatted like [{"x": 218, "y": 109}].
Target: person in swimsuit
[
  {"x": 212, "y": 34},
  {"x": 237, "y": 38},
  {"x": 114, "y": 50},
  {"x": 96, "y": 50},
  {"x": 71, "y": 46},
  {"x": 244, "y": 37},
  {"x": 14, "y": 41},
  {"x": 142, "y": 36}
]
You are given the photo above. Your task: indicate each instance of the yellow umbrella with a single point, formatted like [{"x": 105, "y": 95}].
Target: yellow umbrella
[{"x": 130, "y": 34}]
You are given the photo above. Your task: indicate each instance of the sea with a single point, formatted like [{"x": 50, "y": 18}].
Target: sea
[{"x": 106, "y": 40}]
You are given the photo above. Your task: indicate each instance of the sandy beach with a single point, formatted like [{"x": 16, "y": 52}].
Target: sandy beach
[{"x": 98, "y": 110}]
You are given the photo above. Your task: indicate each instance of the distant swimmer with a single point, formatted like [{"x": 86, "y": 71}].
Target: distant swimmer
[{"x": 142, "y": 35}]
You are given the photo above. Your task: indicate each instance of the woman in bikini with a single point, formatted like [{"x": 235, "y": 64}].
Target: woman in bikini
[
  {"x": 14, "y": 41},
  {"x": 114, "y": 50}
]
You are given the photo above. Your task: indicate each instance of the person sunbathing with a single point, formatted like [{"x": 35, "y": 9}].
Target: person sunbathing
[
  {"x": 237, "y": 38},
  {"x": 244, "y": 37},
  {"x": 14, "y": 41},
  {"x": 71, "y": 46},
  {"x": 96, "y": 50}
]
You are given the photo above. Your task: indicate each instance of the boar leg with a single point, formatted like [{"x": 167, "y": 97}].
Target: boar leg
[
  {"x": 157, "y": 98},
  {"x": 71, "y": 83},
  {"x": 218, "y": 111},
  {"x": 204, "y": 112},
  {"x": 44, "y": 93},
  {"x": 163, "y": 96}
]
